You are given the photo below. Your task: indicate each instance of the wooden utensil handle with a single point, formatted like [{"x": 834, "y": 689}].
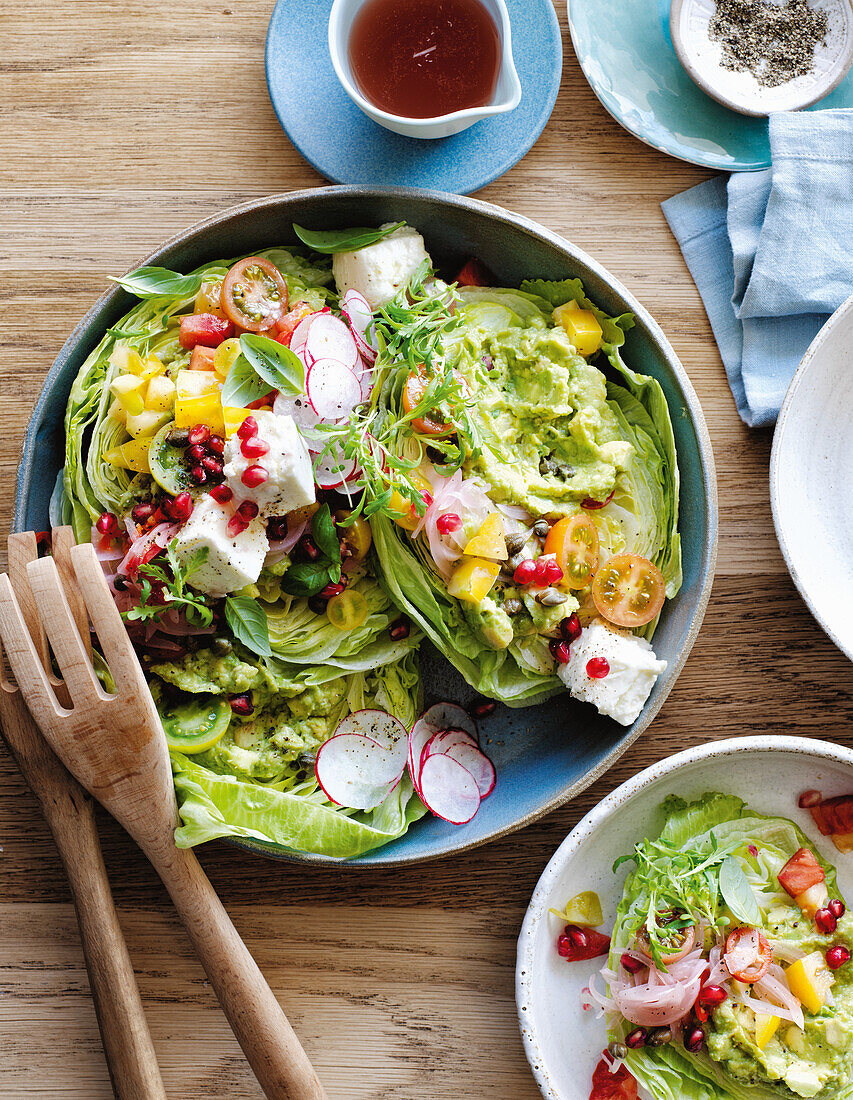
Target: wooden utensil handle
[
  {"x": 262, "y": 1029},
  {"x": 130, "y": 1054}
]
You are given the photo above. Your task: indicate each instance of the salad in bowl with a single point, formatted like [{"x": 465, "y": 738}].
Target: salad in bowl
[{"x": 297, "y": 465}]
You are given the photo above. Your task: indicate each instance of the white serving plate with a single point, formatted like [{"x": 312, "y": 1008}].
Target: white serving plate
[
  {"x": 563, "y": 1043},
  {"x": 811, "y": 478}
]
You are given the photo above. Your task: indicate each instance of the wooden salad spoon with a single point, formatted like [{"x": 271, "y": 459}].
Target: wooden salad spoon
[
  {"x": 70, "y": 815},
  {"x": 114, "y": 744}
]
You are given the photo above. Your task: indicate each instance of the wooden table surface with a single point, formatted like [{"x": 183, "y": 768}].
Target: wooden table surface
[{"x": 122, "y": 123}]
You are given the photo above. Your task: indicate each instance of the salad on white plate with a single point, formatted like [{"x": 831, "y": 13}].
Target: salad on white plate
[{"x": 297, "y": 465}]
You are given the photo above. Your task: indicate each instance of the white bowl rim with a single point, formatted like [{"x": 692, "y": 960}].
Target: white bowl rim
[
  {"x": 524, "y": 993},
  {"x": 475, "y": 113},
  {"x": 776, "y": 481},
  {"x": 818, "y": 91}
]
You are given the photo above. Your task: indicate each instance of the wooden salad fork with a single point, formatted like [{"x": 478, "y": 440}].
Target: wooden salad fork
[
  {"x": 114, "y": 744},
  {"x": 70, "y": 815}
]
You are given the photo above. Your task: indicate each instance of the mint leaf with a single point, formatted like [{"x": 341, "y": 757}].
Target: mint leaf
[
  {"x": 277, "y": 365},
  {"x": 738, "y": 894},
  {"x": 156, "y": 282},
  {"x": 242, "y": 385},
  {"x": 248, "y": 623},
  {"x": 342, "y": 240}
]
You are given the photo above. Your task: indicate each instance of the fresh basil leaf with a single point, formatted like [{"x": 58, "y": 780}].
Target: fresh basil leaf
[
  {"x": 154, "y": 282},
  {"x": 248, "y": 624},
  {"x": 325, "y": 533},
  {"x": 242, "y": 385},
  {"x": 738, "y": 894},
  {"x": 306, "y": 578},
  {"x": 342, "y": 240},
  {"x": 273, "y": 362}
]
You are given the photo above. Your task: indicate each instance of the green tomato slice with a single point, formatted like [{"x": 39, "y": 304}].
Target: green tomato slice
[
  {"x": 194, "y": 723},
  {"x": 167, "y": 463}
]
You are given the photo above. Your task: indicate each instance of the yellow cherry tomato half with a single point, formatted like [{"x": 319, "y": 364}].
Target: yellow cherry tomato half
[
  {"x": 347, "y": 611},
  {"x": 224, "y": 357},
  {"x": 356, "y": 537},
  {"x": 628, "y": 590},
  {"x": 402, "y": 508},
  {"x": 207, "y": 300},
  {"x": 413, "y": 392},
  {"x": 574, "y": 541}
]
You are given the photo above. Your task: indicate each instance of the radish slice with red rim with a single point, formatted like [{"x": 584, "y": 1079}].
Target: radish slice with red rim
[
  {"x": 448, "y": 789},
  {"x": 300, "y": 334},
  {"x": 446, "y": 738},
  {"x": 378, "y": 726},
  {"x": 480, "y": 767},
  {"x": 356, "y": 308},
  {"x": 421, "y": 732},
  {"x": 332, "y": 470},
  {"x": 355, "y": 771},
  {"x": 300, "y": 408},
  {"x": 445, "y": 716},
  {"x": 329, "y": 338},
  {"x": 332, "y": 388}
]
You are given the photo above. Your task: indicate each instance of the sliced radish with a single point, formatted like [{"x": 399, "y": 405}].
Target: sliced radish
[
  {"x": 355, "y": 771},
  {"x": 333, "y": 470},
  {"x": 448, "y": 789},
  {"x": 329, "y": 338},
  {"x": 366, "y": 379},
  {"x": 445, "y": 716},
  {"x": 333, "y": 389},
  {"x": 356, "y": 308},
  {"x": 300, "y": 408},
  {"x": 421, "y": 733},
  {"x": 300, "y": 334},
  {"x": 378, "y": 726},
  {"x": 479, "y": 765}
]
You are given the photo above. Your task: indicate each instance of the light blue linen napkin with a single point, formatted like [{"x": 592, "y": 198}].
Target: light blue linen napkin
[{"x": 772, "y": 253}]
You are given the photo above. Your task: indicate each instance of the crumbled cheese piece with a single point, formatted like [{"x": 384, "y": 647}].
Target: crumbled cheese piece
[
  {"x": 233, "y": 561},
  {"x": 381, "y": 269},
  {"x": 623, "y": 692},
  {"x": 290, "y": 481}
]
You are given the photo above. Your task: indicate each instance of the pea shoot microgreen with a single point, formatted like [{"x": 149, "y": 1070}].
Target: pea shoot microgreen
[{"x": 161, "y": 589}]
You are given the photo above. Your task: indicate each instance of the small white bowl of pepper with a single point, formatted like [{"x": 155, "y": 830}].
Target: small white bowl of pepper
[{"x": 762, "y": 56}]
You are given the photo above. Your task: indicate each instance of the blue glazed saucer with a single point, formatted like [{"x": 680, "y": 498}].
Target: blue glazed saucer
[
  {"x": 347, "y": 147},
  {"x": 624, "y": 49}
]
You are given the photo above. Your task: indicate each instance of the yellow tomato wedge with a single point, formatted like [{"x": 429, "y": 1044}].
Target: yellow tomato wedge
[
  {"x": 160, "y": 394},
  {"x": 490, "y": 540},
  {"x": 132, "y": 455},
  {"x": 473, "y": 579},
  {"x": 127, "y": 360},
  {"x": 128, "y": 390},
  {"x": 197, "y": 400},
  {"x": 583, "y": 909},
  {"x": 765, "y": 1028},
  {"x": 582, "y": 327},
  {"x": 809, "y": 979},
  {"x": 232, "y": 417}
]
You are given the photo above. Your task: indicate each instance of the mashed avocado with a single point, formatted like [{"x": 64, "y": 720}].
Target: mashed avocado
[{"x": 549, "y": 435}]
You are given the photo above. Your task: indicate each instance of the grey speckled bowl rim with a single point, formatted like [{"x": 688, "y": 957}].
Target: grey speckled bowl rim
[
  {"x": 776, "y": 483},
  {"x": 630, "y": 789},
  {"x": 691, "y": 401}
]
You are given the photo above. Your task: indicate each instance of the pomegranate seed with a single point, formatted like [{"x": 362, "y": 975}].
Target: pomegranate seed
[
  {"x": 482, "y": 708},
  {"x": 448, "y": 522},
  {"x": 553, "y": 572},
  {"x": 825, "y": 921},
  {"x": 253, "y": 476},
  {"x": 636, "y": 1038},
  {"x": 525, "y": 572},
  {"x": 694, "y": 1040},
  {"x": 254, "y": 447},
  {"x": 236, "y": 525},
  {"x": 198, "y": 474},
  {"x": 399, "y": 630},
  {"x": 559, "y": 651},
  {"x": 178, "y": 508},
  {"x": 248, "y": 428},
  {"x": 837, "y": 908},
  {"x": 196, "y": 452},
  {"x": 140, "y": 513},
  {"x": 711, "y": 996},
  {"x": 277, "y": 528},
  {"x": 241, "y": 704},
  {"x": 808, "y": 799},
  {"x": 248, "y": 510},
  {"x": 427, "y": 498},
  {"x": 309, "y": 548},
  {"x": 576, "y": 935},
  {"x": 221, "y": 493},
  {"x": 199, "y": 434},
  {"x": 541, "y": 571},
  {"x": 753, "y": 851},
  {"x": 107, "y": 523},
  {"x": 837, "y": 956},
  {"x": 334, "y": 588},
  {"x": 216, "y": 444},
  {"x": 597, "y": 667},
  {"x": 571, "y": 628},
  {"x": 212, "y": 463},
  {"x": 632, "y": 965}
]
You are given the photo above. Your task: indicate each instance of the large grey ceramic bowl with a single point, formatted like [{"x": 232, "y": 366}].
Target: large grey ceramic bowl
[{"x": 547, "y": 754}]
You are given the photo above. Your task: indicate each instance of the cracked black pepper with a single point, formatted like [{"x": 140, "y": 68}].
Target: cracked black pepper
[{"x": 774, "y": 42}]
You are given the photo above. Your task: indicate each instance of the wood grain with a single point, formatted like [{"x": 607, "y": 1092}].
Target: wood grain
[{"x": 124, "y": 122}]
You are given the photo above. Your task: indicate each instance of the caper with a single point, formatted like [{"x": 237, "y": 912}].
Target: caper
[
  {"x": 547, "y": 465},
  {"x": 513, "y": 606},
  {"x": 541, "y": 528},
  {"x": 222, "y": 645},
  {"x": 178, "y": 437},
  {"x": 617, "y": 1050},
  {"x": 659, "y": 1036},
  {"x": 551, "y": 597},
  {"x": 516, "y": 541}
]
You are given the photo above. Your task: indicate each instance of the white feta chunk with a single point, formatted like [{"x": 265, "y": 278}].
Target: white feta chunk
[
  {"x": 233, "y": 561},
  {"x": 380, "y": 270},
  {"x": 623, "y": 692},
  {"x": 290, "y": 472}
]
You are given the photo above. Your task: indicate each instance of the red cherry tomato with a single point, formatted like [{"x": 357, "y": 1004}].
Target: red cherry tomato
[
  {"x": 204, "y": 328},
  {"x": 475, "y": 274},
  {"x": 606, "y": 1085},
  {"x": 834, "y": 815},
  {"x": 800, "y": 873},
  {"x": 413, "y": 392},
  {"x": 285, "y": 328},
  {"x": 748, "y": 955},
  {"x": 254, "y": 294}
]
